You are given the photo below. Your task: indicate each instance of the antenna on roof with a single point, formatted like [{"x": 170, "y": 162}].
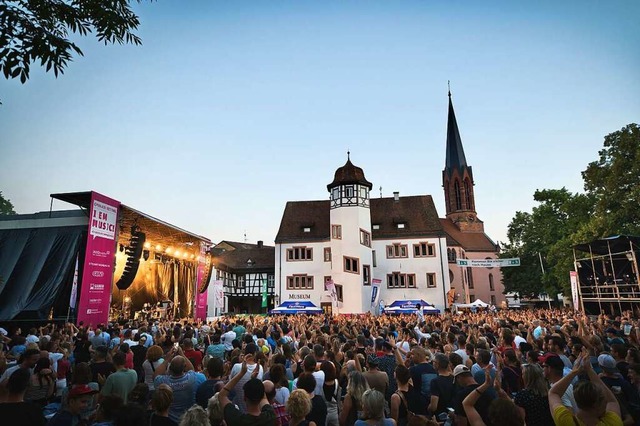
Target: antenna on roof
[
  {"x": 348, "y": 155},
  {"x": 449, "y": 87},
  {"x": 245, "y": 235},
  {"x": 380, "y": 192}
]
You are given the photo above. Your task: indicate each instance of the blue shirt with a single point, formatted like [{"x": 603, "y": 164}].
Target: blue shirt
[{"x": 184, "y": 391}]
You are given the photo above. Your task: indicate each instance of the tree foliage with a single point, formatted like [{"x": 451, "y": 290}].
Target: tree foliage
[
  {"x": 39, "y": 30},
  {"x": 561, "y": 219},
  {"x": 5, "y": 206},
  {"x": 614, "y": 179}
]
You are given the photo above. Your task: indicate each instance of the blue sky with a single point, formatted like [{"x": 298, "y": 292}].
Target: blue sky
[{"x": 230, "y": 109}]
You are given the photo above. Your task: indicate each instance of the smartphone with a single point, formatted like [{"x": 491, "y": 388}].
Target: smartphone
[{"x": 176, "y": 345}]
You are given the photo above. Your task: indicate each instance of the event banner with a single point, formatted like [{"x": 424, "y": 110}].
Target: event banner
[
  {"x": 375, "y": 288},
  {"x": 99, "y": 260},
  {"x": 218, "y": 295},
  {"x": 488, "y": 263},
  {"x": 331, "y": 288},
  {"x": 573, "y": 276},
  {"x": 201, "y": 298}
]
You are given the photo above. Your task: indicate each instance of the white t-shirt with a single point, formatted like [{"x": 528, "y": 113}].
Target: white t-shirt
[{"x": 319, "y": 376}]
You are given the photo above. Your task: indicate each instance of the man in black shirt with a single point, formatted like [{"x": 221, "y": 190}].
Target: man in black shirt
[
  {"x": 442, "y": 387},
  {"x": 467, "y": 384},
  {"x": 318, "y": 413},
  {"x": 15, "y": 410}
]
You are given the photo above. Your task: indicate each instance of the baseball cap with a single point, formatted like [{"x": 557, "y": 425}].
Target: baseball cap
[
  {"x": 81, "y": 390},
  {"x": 460, "y": 369},
  {"x": 552, "y": 360},
  {"x": 608, "y": 363}
]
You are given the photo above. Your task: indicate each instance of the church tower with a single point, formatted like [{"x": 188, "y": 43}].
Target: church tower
[
  {"x": 351, "y": 252},
  {"x": 457, "y": 181}
]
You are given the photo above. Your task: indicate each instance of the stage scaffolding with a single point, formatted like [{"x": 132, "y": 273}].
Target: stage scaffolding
[{"x": 608, "y": 275}]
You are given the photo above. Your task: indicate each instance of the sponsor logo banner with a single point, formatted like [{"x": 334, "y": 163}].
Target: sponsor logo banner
[{"x": 97, "y": 274}]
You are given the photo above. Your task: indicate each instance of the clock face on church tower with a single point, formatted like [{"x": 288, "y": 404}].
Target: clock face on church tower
[{"x": 471, "y": 218}]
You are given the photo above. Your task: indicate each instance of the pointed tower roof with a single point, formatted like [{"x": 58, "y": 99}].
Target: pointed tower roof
[
  {"x": 455, "y": 151},
  {"x": 349, "y": 174}
]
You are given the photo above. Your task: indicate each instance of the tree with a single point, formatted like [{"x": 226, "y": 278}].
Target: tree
[
  {"x": 38, "y": 30},
  {"x": 614, "y": 181},
  {"x": 543, "y": 240},
  {"x": 609, "y": 206},
  {"x": 6, "y": 207}
]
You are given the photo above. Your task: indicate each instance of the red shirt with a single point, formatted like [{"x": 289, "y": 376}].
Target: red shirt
[
  {"x": 195, "y": 357},
  {"x": 129, "y": 360}
]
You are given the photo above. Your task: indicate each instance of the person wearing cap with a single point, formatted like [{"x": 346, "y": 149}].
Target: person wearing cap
[
  {"x": 14, "y": 407},
  {"x": 595, "y": 403},
  {"x": 626, "y": 393},
  {"x": 78, "y": 399},
  {"x": 249, "y": 355},
  {"x": 467, "y": 384},
  {"x": 553, "y": 370},
  {"x": 377, "y": 379}
]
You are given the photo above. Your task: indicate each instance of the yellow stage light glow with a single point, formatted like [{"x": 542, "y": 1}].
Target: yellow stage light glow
[
  {"x": 185, "y": 255},
  {"x": 177, "y": 253},
  {"x": 192, "y": 256},
  {"x": 168, "y": 250},
  {"x": 147, "y": 245},
  {"x": 158, "y": 247}
]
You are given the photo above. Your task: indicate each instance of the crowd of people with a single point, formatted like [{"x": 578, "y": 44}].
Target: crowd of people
[{"x": 533, "y": 367}]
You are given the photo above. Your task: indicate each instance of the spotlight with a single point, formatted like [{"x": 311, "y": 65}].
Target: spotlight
[
  {"x": 158, "y": 247},
  {"x": 168, "y": 250},
  {"x": 192, "y": 256},
  {"x": 185, "y": 255},
  {"x": 147, "y": 245},
  {"x": 145, "y": 254},
  {"x": 177, "y": 254}
]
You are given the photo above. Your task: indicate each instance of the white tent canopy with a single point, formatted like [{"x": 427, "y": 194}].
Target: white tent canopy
[{"x": 475, "y": 304}]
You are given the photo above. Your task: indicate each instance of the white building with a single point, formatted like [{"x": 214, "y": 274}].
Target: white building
[{"x": 352, "y": 240}]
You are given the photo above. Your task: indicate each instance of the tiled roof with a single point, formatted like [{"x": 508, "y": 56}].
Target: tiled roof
[
  {"x": 470, "y": 241},
  {"x": 299, "y": 215},
  {"x": 418, "y": 213},
  {"x": 349, "y": 174},
  {"x": 235, "y": 260}
]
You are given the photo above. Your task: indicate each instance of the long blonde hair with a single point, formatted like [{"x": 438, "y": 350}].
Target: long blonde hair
[
  {"x": 357, "y": 386},
  {"x": 533, "y": 378}
]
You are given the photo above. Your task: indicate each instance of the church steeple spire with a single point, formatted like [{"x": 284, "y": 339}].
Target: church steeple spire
[
  {"x": 457, "y": 178},
  {"x": 455, "y": 151}
]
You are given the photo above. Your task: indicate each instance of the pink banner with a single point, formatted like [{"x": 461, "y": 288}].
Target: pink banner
[
  {"x": 201, "y": 298},
  {"x": 99, "y": 261}
]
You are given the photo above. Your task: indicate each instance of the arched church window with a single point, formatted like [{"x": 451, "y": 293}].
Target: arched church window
[
  {"x": 456, "y": 189},
  {"x": 467, "y": 194}
]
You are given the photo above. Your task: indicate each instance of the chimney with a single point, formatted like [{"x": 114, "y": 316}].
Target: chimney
[
  {"x": 260, "y": 244},
  {"x": 396, "y": 196}
]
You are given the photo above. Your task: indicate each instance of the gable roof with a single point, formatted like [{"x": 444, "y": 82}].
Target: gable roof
[
  {"x": 299, "y": 215},
  {"x": 235, "y": 259},
  {"x": 418, "y": 213},
  {"x": 469, "y": 241}
]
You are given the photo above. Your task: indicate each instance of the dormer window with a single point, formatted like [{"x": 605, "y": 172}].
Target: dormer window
[
  {"x": 401, "y": 225},
  {"x": 306, "y": 229},
  {"x": 375, "y": 226}
]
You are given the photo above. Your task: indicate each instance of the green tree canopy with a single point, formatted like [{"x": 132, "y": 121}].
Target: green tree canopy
[
  {"x": 5, "y": 206},
  {"x": 614, "y": 180},
  {"x": 39, "y": 30},
  {"x": 561, "y": 219}
]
